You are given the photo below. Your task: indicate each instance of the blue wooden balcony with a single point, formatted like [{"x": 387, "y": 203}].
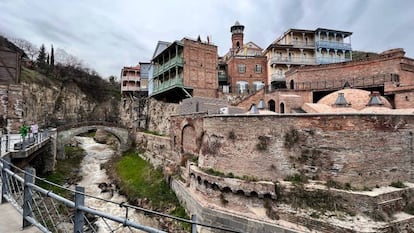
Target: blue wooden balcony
[
  {"x": 333, "y": 45},
  {"x": 161, "y": 68},
  {"x": 168, "y": 84}
]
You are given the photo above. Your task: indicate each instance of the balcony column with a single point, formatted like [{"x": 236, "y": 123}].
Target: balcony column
[
  {"x": 350, "y": 54},
  {"x": 343, "y": 55},
  {"x": 327, "y": 53},
  {"x": 319, "y": 35},
  {"x": 327, "y": 36},
  {"x": 287, "y": 54},
  {"x": 291, "y": 37},
  {"x": 335, "y": 37},
  {"x": 301, "y": 55},
  {"x": 336, "y": 55}
]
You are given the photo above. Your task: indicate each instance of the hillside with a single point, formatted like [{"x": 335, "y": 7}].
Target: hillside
[{"x": 68, "y": 95}]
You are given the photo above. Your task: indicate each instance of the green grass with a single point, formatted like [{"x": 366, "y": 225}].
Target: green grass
[
  {"x": 66, "y": 170},
  {"x": 140, "y": 180}
]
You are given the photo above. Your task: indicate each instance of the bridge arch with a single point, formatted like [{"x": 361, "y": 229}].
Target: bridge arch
[{"x": 65, "y": 134}]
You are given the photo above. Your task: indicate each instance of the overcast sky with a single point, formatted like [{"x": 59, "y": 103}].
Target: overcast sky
[{"x": 108, "y": 34}]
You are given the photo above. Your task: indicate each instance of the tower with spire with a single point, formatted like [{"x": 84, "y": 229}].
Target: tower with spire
[{"x": 237, "y": 36}]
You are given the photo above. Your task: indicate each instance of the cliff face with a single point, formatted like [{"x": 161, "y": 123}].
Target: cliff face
[{"x": 49, "y": 102}]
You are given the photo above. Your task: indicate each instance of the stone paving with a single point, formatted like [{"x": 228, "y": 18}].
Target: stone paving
[{"x": 11, "y": 221}]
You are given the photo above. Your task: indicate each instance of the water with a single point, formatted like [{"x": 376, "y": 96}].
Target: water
[{"x": 93, "y": 175}]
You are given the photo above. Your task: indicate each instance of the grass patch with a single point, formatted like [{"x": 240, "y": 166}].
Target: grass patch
[
  {"x": 66, "y": 171},
  {"x": 138, "y": 179}
]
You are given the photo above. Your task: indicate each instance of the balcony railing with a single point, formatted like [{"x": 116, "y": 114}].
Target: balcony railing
[
  {"x": 176, "y": 61},
  {"x": 222, "y": 77},
  {"x": 277, "y": 78},
  {"x": 303, "y": 44},
  {"x": 130, "y": 78},
  {"x": 333, "y": 45},
  {"x": 176, "y": 81},
  {"x": 328, "y": 60},
  {"x": 360, "y": 82},
  {"x": 133, "y": 88},
  {"x": 294, "y": 61}
]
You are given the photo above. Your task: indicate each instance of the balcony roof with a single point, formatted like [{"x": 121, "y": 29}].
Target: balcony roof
[{"x": 334, "y": 31}]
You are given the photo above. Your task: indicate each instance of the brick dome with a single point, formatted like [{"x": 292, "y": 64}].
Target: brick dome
[{"x": 358, "y": 99}]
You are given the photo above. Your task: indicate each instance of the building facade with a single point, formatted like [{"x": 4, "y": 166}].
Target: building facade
[
  {"x": 184, "y": 69},
  {"x": 135, "y": 79},
  {"x": 297, "y": 47},
  {"x": 243, "y": 69}
]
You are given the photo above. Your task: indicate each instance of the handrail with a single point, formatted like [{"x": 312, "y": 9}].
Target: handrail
[{"x": 16, "y": 189}]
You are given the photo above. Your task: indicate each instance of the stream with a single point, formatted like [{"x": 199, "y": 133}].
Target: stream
[{"x": 93, "y": 177}]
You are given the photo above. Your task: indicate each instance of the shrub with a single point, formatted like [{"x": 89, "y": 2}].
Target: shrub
[
  {"x": 398, "y": 184},
  {"x": 263, "y": 143},
  {"x": 291, "y": 138}
]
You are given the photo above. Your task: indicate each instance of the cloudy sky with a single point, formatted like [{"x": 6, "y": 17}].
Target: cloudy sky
[{"x": 108, "y": 34}]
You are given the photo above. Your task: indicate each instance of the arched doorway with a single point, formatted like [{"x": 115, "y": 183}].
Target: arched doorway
[
  {"x": 292, "y": 84},
  {"x": 188, "y": 139},
  {"x": 272, "y": 105},
  {"x": 282, "y": 107}
]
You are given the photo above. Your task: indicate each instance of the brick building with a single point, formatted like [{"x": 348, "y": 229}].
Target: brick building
[
  {"x": 183, "y": 69},
  {"x": 243, "y": 69},
  {"x": 391, "y": 74},
  {"x": 135, "y": 79},
  {"x": 298, "y": 47}
]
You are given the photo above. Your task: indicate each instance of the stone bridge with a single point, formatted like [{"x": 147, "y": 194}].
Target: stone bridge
[{"x": 67, "y": 132}]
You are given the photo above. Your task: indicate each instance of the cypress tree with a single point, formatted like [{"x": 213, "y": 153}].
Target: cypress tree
[{"x": 52, "y": 57}]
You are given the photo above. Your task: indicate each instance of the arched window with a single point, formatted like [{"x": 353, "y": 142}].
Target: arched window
[
  {"x": 272, "y": 105},
  {"x": 292, "y": 84},
  {"x": 282, "y": 107}
]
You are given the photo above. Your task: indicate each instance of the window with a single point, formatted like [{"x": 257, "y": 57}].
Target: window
[
  {"x": 258, "y": 68},
  {"x": 242, "y": 68}
]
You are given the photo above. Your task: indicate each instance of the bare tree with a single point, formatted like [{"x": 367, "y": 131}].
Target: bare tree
[
  {"x": 64, "y": 58},
  {"x": 30, "y": 49}
]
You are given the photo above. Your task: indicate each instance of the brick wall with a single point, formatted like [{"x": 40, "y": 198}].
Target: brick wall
[
  {"x": 11, "y": 107},
  {"x": 200, "y": 68},
  {"x": 249, "y": 75},
  {"x": 388, "y": 62},
  {"x": 363, "y": 150}
]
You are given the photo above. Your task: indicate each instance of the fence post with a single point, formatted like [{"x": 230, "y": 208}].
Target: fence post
[
  {"x": 193, "y": 225},
  {"x": 79, "y": 201},
  {"x": 7, "y": 143},
  {"x": 29, "y": 178},
  {"x": 4, "y": 177}
]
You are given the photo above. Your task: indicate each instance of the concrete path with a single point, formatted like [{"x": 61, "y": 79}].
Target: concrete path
[{"x": 11, "y": 221}]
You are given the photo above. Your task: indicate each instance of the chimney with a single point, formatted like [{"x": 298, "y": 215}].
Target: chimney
[
  {"x": 341, "y": 101},
  {"x": 375, "y": 99}
]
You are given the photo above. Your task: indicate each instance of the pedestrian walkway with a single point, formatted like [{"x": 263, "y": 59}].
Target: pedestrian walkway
[{"x": 11, "y": 221}]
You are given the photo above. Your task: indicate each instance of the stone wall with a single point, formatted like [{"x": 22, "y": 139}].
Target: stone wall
[
  {"x": 11, "y": 108},
  {"x": 159, "y": 114},
  {"x": 219, "y": 218},
  {"x": 363, "y": 150},
  {"x": 157, "y": 149}
]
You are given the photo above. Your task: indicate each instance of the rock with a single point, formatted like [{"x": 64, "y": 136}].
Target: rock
[{"x": 101, "y": 136}]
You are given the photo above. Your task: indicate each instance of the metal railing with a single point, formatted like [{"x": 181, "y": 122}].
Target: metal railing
[
  {"x": 15, "y": 142},
  {"x": 51, "y": 212},
  {"x": 376, "y": 80}
]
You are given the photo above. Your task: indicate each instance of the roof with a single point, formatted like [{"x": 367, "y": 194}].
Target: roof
[
  {"x": 161, "y": 46},
  {"x": 334, "y": 31},
  {"x": 4, "y": 42}
]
